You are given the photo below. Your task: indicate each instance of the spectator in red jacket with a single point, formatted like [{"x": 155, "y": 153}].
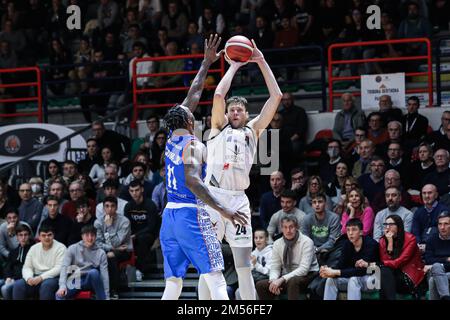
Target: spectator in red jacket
[{"x": 402, "y": 266}]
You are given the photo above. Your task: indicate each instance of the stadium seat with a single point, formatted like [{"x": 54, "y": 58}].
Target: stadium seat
[{"x": 84, "y": 295}]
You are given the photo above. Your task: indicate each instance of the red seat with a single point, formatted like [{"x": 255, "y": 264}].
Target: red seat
[
  {"x": 320, "y": 135},
  {"x": 129, "y": 262},
  {"x": 83, "y": 295}
]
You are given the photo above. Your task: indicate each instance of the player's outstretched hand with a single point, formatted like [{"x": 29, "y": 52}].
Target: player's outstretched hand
[
  {"x": 236, "y": 217},
  {"x": 211, "y": 45},
  {"x": 257, "y": 55}
]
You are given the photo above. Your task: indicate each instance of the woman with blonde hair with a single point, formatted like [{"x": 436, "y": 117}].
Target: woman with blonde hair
[{"x": 355, "y": 206}]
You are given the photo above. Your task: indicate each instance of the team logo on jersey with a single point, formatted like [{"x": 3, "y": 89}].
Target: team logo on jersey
[{"x": 226, "y": 166}]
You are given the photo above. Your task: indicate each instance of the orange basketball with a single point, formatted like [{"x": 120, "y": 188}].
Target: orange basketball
[{"x": 239, "y": 48}]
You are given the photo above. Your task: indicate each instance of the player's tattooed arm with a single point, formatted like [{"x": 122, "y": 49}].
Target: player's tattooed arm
[
  {"x": 196, "y": 89},
  {"x": 193, "y": 157}
]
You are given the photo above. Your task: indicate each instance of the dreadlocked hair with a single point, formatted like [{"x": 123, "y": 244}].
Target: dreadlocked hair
[{"x": 176, "y": 118}]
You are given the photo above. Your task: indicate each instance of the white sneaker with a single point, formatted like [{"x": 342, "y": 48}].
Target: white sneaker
[{"x": 139, "y": 275}]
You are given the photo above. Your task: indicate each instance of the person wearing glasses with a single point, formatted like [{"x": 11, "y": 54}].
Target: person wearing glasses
[
  {"x": 440, "y": 177},
  {"x": 437, "y": 259},
  {"x": 393, "y": 198},
  {"x": 402, "y": 269},
  {"x": 76, "y": 191},
  {"x": 153, "y": 127},
  {"x": 30, "y": 208}
]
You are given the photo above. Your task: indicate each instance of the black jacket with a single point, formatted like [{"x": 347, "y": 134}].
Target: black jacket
[{"x": 14, "y": 264}]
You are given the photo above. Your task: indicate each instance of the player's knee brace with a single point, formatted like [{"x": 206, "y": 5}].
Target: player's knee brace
[{"x": 173, "y": 288}]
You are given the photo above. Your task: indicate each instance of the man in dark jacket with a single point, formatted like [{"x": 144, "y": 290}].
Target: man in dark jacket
[
  {"x": 351, "y": 274},
  {"x": 16, "y": 259}
]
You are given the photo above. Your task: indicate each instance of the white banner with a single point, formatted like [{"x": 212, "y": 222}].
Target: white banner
[
  {"x": 374, "y": 86},
  {"x": 19, "y": 140}
]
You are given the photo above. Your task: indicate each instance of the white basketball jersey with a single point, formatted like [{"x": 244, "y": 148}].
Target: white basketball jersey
[{"x": 230, "y": 158}]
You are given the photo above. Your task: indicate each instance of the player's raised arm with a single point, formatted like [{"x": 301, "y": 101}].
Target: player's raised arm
[
  {"x": 218, "y": 118},
  {"x": 196, "y": 89},
  {"x": 270, "y": 107},
  {"x": 192, "y": 159}
]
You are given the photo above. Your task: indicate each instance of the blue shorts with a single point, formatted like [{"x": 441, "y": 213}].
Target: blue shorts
[{"x": 187, "y": 237}]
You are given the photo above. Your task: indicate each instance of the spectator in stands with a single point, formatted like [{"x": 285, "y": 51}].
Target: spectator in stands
[
  {"x": 138, "y": 173},
  {"x": 388, "y": 112},
  {"x": 440, "y": 177},
  {"x": 16, "y": 258},
  {"x": 402, "y": 270},
  {"x": 57, "y": 189},
  {"x": 114, "y": 237},
  {"x": 175, "y": 21},
  {"x": 5, "y": 203},
  {"x": 355, "y": 207},
  {"x": 58, "y": 56},
  {"x": 11, "y": 193},
  {"x": 415, "y": 125},
  {"x": 143, "y": 67},
  {"x": 299, "y": 178},
  {"x": 350, "y": 275},
  {"x": 293, "y": 264},
  {"x": 303, "y": 20},
  {"x": 110, "y": 47},
  {"x": 30, "y": 209},
  {"x": 70, "y": 171},
  {"x": 392, "y": 179},
  {"x": 15, "y": 37},
  {"x": 8, "y": 58},
  {"x": 193, "y": 36},
  {"x": 348, "y": 119},
  {"x": 143, "y": 158},
  {"x": 92, "y": 157},
  {"x": 350, "y": 151},
  {"x": 262, "y": 255},
  {"x": 393, "y": 198},
  {"x": 150, "y": 12},
  {"x": 292, "y": 116},
  {"x": 8, "y": 234},
  {"x": 394, "y": 130},
  {"x": 41, "y": 268},
  {"x": 56, "y": 19},
  {"x": 288, "y": 202},
  {"x": 396, "y": 160},
  {"x": 89, "y": 187},
  {"x": 210, "y": 22},
  {"x": 366, "y": 150},
  {"x": 330, "y": 20},
  {"x": 159, "y": 44},
  {"x": 59, "y": 223},
  {"x": 442, "y": 142},
  {"x": 315, "y": 186},
  {"x": 159, "y": 194},
  {"x": 53, "y": 172},
  {"x": 373, "y": 183},
  {"x": 110, "y": 174},
  {"x": 415, "y": 26},
  {"x": 111, "y": 189},
  {"x": 91, "y": 263},
  {"x": 440, "y": 134},
  {"x": 376, "y": 131},
  {"x": 422, "y": 167},
  {"x": 437, "y": 259},
  {"x": 83, "y": 218},
  {"x": 328, "y": 164},
  {"x": 97, "y": 173},
  {"x": 335, "y": 187},
  {"x": 323, "y": 227},
  {"x": 133, "y": 37},
  {"x": 108, "y": 15},
  {"x": 11, "y": 14},
  {"x": 170, "y": 66},
  {"x": 84, "y": 55},
  {"x": 439, "y": 19},
  {"x": 157, "y": 149},
  {"x": 270, "y": 201},
  {"x": 118, "y": 143},
  {"x": 287, "y": 36},
  {"x": 425, "y": 218},
  {"x": 152, "y": 122},
  {"x": 263, "y": 34},
  {"x": 145, "y": 224},
  {"x": 76, "y": 191}
]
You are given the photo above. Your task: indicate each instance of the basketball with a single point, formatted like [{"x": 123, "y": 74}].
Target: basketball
[{"x": 239, "y": 48}]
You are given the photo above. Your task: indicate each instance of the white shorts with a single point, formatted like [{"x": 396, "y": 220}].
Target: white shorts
[{"x": 239, "y": 236}]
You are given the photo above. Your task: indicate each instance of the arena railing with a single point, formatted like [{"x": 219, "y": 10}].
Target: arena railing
[
  {"x": 439, "y": 72},
  {"x": 137, "y": 106},
  {"x": 46, "y": 82},
  {"x": 332, "y": 62},
  {"x": 34, "y": 84}
]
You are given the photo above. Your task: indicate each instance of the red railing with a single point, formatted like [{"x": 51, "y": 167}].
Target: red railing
[
  {"x": 37, "y": 98},
  {"x": 332, "y": 62},
  {"x": 136, "y": 91}
]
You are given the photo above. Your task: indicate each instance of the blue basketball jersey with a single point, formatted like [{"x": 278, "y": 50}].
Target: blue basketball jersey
[{"x": 177, "y": 191}]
